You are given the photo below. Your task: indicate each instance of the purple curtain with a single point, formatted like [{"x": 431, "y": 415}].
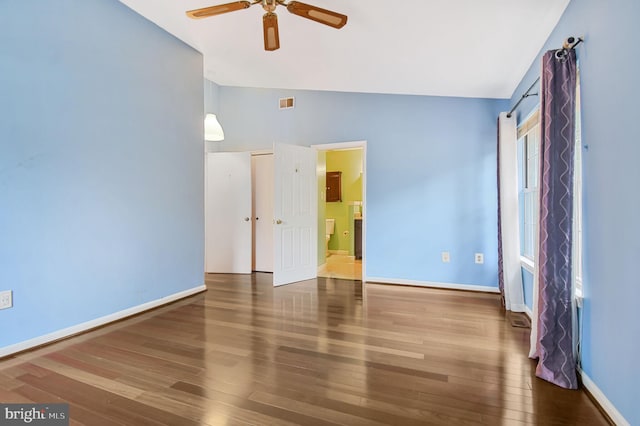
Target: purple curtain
[
  {"x": 500, "y": 260},
  {"x": 554, "y": 346}
]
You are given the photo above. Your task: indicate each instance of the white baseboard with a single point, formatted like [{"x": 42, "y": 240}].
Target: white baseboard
[
  {"x": 451, "y": 286},
  {"x": 98, "y": 322},
  {"x": 519, "y": 308},
  {"x": 528, "y": 311},
  {"x": 339, "y": 252},
  {"x": 604, "y": 402}
]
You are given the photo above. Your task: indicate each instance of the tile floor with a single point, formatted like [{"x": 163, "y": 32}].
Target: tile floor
[{"x": 341, "y": 266}]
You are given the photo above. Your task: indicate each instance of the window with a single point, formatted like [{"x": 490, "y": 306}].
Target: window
[{"x": 529, "y": 140}]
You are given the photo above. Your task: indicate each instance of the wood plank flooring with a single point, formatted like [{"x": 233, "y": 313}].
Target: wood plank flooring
[{"x": 320, "y": 352}]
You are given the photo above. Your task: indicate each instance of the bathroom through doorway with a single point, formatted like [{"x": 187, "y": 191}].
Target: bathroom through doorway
[{"x": 341, "y": 210}]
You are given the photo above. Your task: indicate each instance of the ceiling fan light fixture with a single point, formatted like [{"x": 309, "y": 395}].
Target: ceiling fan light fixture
[
  {"x": 271, "y": 35},
  {"x": 270, "y": 19},
  {"x": 269, "y": 5}
]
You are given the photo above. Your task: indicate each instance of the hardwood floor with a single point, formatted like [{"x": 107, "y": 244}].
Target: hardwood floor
[{"x": 320, "y": 352}]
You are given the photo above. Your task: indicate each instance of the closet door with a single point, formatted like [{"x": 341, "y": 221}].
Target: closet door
[
  {"x": 228, "y": 213},
  {"x": 262, "y": 177}
]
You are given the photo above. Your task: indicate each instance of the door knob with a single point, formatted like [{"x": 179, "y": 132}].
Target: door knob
[
  {"x": 246, "y": 219},
  {"x": 278, "y": 222}
]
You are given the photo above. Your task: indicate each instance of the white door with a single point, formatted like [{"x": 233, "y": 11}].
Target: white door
[
  {"x": 262, "y": 178},
  {"x": 228, "y": 213},
  {"x": 295, "y": 214}
]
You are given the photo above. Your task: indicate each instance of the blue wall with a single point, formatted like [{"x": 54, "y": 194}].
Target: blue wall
[
  {"x": 211, "y": 97},
  {"x": 609, "y": 66},
  {"x": 431, "y": 171},
  {"x": 101, "y": 165}
]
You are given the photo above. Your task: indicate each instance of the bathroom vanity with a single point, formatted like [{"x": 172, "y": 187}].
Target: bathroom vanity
[{"x": 357, "y": 237}]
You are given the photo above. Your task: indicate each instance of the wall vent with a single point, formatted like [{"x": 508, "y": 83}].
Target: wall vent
[{"x": 286, "y": 103}]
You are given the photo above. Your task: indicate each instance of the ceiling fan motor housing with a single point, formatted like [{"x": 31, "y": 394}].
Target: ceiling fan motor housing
[{"x": 269, "y": 5}]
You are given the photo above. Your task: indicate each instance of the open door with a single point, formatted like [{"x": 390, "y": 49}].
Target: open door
[
  {"x": 295, "y": 232},
  {"x": 228, "y": 213}
]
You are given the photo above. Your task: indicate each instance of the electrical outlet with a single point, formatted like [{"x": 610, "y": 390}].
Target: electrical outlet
[
  {"x": 446, "y": 258},
  {"x": 6, "y": 299},
  {"x": 479, "y": 258}
]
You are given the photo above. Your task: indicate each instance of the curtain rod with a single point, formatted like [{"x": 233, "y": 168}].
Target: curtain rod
[
  {"x": 524, "y": 96},
  {"x": 569, "y": 43}
]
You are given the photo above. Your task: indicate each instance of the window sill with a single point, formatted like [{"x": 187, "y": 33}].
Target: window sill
[{"x": 527, "y": 264}]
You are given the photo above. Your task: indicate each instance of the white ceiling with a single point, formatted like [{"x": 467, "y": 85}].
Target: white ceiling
[{"x": 468, "y": 48}]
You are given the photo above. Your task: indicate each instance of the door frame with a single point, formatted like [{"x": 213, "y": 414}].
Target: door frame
[{"x": 346, "y": 145}]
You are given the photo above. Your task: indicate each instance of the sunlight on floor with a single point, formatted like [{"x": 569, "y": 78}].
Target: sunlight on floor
[{"x": 341, "y": 266}]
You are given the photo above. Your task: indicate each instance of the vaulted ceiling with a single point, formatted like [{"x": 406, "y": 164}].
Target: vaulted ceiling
[{"x": 468, "y": 48}]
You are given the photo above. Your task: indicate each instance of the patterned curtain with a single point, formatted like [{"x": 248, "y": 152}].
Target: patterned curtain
[{"x": 556, "y": 312}]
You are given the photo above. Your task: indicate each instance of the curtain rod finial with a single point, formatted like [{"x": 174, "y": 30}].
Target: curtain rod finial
[{"x": 571, "y": 42}]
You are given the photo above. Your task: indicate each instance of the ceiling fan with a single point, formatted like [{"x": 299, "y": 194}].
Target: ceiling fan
[{"x": 270, "y": 19}]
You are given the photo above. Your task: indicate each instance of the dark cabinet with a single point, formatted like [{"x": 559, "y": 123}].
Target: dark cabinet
[
  {"x": 334, "y": 186},
  {"x": 357, "y": 226}
]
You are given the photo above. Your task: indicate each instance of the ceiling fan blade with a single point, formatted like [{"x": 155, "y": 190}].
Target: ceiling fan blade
[
  {"x": 271, "y": 36},
  {"x": 324, "y": 16},
  {"x": 205, "y": 12}
]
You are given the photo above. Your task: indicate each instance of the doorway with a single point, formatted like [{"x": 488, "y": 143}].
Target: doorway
[{"x": 341, "y": 210}]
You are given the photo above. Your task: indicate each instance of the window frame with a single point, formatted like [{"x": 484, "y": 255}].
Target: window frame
[
  {"x": 578, "y": 232},
  {"x": 529, "y": 137}
]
